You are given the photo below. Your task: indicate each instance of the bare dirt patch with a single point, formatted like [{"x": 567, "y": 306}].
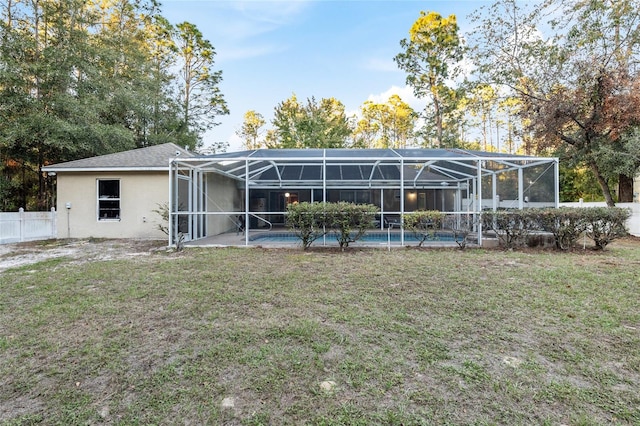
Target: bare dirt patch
[{"x": 83, "y": 250}]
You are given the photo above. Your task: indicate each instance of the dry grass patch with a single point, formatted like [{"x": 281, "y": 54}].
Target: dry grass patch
[{"x": 254, "y": 336}]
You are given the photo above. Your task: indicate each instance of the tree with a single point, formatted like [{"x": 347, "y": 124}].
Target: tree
[
  {"x": 430, "y": 59},
  {"x": 482, "y": 104},
  {"x": 321, "y": 124},
  {"x": 579, "y": 87},
  {"x": 369, "y": 127},
  {"x": 82, "y": 78},
  {"x": 53, "y": 91},
  {"x": 250, "y": 130},
  {"x": 509, "y": 107},
  {"x": 389, "y": 125},
  {"x": 159, "y": 120},
  {"x": 200, "y": 97}
]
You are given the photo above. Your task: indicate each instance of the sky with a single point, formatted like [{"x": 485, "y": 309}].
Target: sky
[{"x": 270, "y": 50}]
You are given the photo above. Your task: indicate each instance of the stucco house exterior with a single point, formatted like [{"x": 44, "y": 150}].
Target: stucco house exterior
[{"x": 114, "y": 195}]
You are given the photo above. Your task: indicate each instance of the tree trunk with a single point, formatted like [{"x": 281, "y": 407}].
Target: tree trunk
[
  {"x": 606, "y": 191},
  {"x": 625, "y": 189}
]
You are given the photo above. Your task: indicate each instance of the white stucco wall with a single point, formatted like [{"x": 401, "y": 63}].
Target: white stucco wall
[
  {"x": 223, "y": 195},
  {"x": 140, "y": 194}
]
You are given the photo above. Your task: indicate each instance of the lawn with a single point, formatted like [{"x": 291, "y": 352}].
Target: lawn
[{"x": 281, "y": 336}]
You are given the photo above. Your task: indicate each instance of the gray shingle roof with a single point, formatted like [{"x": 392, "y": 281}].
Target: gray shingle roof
[{"x": 154, "y": 157}]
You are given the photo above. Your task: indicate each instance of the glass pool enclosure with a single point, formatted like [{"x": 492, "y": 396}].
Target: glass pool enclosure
[{"x": 249, "y": 191}]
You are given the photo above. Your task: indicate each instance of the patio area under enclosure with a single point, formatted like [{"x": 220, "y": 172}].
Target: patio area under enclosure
[{"x": 219, "y": 194}]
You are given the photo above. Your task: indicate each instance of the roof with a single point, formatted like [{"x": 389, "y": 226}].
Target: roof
[
  {"x": 380, "y": 167},
  {"x": 363, "y": 153},
  {"x": 155, "y": 157}
]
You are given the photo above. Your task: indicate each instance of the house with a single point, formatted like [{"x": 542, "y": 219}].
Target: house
[{"x": 114, "y": 195}]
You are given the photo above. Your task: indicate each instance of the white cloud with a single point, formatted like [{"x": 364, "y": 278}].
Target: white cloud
[
  {"x": 405, "y": 93},
  {"x": 235, "y": 143}
]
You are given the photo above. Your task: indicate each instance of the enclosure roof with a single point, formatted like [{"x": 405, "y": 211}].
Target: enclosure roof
[
  {"x": 356, "y": 153},
  {"x": 340, "y": 167}
]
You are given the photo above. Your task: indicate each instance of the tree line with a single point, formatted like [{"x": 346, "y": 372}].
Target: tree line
[
  {"x": 553, "y": 77},
  {"x": 545, "y": 78},
  {"x": 80, "y": 78}
]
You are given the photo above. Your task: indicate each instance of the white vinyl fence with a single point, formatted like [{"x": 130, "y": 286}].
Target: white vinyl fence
[
  {"x": 27, "y": 226},
  {"x": 633, "y": 223}
]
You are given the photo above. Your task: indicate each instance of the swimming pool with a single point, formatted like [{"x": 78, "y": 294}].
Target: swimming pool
[{"x": 381, "y": 237}]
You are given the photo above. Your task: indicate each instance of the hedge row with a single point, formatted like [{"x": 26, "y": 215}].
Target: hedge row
[
  {"x": 601, "y": 224},
  {"x": 346, "y": 221}
]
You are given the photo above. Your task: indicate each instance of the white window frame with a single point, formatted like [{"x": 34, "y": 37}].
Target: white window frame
[{"x": 104, "y": 198}]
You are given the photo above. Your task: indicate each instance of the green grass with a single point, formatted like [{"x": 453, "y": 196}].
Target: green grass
[{"x": 408, "y": 336}]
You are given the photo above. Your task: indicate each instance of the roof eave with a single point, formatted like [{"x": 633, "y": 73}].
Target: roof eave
[{"x": 104, "y": 169}]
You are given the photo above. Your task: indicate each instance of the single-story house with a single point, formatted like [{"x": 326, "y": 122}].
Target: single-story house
[{"x": 114, "y": 195}]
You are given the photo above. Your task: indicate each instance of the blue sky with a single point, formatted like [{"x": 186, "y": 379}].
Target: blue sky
[{"x": 269, "y": 50}]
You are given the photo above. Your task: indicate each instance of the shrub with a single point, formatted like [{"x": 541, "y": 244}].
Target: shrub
[
  {"x": 307, "y": 221},
  {"x": 510, "y": 226},
  {"x": 605, "y": 224},
  {"x": 565, "y": 223},
  {"x": 423, "y": 224},
  {"x": 601, "y": 224},
  {"x": 348, "y": 221},
  {"x": 460, "y": 226},
  {"x": 163, "y": 212}
]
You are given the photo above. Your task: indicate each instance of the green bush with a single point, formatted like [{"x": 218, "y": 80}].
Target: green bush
[
  {"x": 423, "y": 224},
  {"x": 348, "y": 221},
  {"x": 307, "y": 221},
  {"x": 605, "y": 224},
  {"x": 601, "y": 224},
  {"x": 565, "y": 223},
  {"x": 511, "y": 226}
]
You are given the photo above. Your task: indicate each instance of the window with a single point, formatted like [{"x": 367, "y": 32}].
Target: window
[{"x": 108, "y": 199}]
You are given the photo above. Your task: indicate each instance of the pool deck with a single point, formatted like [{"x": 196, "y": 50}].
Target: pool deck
[{"x": 232, "y": 239}]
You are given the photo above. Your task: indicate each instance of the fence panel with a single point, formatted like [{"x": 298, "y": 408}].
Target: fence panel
[
  {"x": 633, "y": 223},
  {"x": 22, "y": 226}
]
